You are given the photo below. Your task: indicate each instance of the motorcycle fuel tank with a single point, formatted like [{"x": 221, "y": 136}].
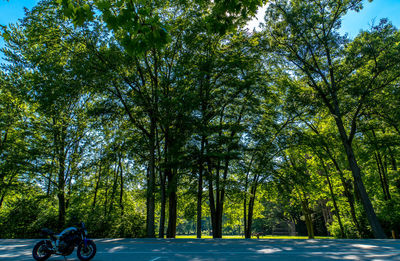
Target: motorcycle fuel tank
[{"x": 68, "y": 230}]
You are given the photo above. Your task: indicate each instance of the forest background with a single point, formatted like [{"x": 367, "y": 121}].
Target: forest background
[{"x": 158, "y": 118}]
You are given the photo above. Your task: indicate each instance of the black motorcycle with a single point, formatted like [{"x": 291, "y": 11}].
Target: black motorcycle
[{"x": 64, "y": 243}]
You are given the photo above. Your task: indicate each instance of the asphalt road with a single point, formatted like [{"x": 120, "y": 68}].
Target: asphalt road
[{"x": 225, "y": 249}]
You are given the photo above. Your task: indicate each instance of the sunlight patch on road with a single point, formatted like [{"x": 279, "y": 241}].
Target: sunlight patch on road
[
  {"x": 114, "y": 249},
  {"x": 345, "y": 257},
  {"x": 10, "y": 247},
  {"x": 364, "y": 246},
  {"x": 16, "y": 254},
  {"x": 9, "y": 255},
  {"x": 316, "y": 246},
  {"x": 377, "y": 257},
  {"x": 351, "y": 257},
  {"x": 269, "y": 250},
  {"x": 111, "y": 240}
]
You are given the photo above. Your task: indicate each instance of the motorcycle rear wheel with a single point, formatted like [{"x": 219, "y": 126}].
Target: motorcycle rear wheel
[
  {"x": 39, "y": 252},
  {"x": 85, "y": 254}
]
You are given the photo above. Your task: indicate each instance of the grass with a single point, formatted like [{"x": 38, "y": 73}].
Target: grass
[{"x": 253, "y": 237}]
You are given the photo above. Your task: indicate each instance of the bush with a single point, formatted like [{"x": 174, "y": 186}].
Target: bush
[
  {"x": 24, "y": 217},
  {"x": 131, "y": 225},
  {"x": 349, "y": 229},
  {"x": 389, "y": 216}
]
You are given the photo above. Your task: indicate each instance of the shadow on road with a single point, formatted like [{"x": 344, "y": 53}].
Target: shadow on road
[{"x": 225, "y": 249}]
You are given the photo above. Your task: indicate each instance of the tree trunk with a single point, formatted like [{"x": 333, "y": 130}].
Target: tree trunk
[
  {"x": 163, "y": 203},
  {"x": 382, "y": 169},
  {"x": 351, "y": 201},
  {"x": 247, "y": 229},
  {"x": 59, "y": 135},
  {"x": 384, "y": 175},
  {"x": 252, "y": 199},
  {"x": 121, "y": 189},
  {"x": 308, "y": 218},
  {"x": 251, "y": 211},
  {"x": 50, "y": 176},
  {"x": 347, "y": 193},
  {"x": 247, "y": 233},
  {"x": 61, "y": 208},
  {"x": 150, "y": 217},
  {"x": 211, "y": 196},
  {"x": 217, "y": 230},
  {"x": 245, "y": 206},
  {"x": 61, "y": 193},
  {"x": 337, "y": 212},
  {"x": 3, "y": 192},
  {"x": 171, "y": 175},
  {"x": 68, "y": 196},
  {"x": 385, "y": 196},
  {"x": 371, "y": 216},
  {"x": 2, "y": 199},
  {"x": 172, "y": 203},
  {"x": 369, "y": 210},
  {"x": 163, "y": 195},
  {"x": 96, "y": 188},
  {"x": 200, "y": 188},
  {"x": 221, "y": 199},
  {"x": 106, "y": 194}
]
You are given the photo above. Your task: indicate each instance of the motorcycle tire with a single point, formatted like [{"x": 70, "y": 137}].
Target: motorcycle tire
[
  {"x": 86, "y": 254},
  {"x": 39, "y": 252}
]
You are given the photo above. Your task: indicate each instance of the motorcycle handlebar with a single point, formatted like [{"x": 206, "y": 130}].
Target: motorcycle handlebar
[{"x": 80, "y": 224}]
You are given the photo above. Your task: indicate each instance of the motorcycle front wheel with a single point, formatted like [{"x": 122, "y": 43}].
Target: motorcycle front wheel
[
  {"x": 88, "y": 252},
  {"x": 40, "y": 252}
]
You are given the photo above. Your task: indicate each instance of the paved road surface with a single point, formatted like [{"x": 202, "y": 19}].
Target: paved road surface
[{"x": 226, "y": 249}]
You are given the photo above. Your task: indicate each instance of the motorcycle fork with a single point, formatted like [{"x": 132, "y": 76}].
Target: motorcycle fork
[{"x": 84, "y": 241}]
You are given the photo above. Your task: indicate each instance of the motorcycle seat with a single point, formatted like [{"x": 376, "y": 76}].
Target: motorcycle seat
[{"x": 47, "y": 231}]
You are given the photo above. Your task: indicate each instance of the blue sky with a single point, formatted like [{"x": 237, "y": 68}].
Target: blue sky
[
  {"x": 353, "y": 22},
  {"x": 12, "y": 10}
]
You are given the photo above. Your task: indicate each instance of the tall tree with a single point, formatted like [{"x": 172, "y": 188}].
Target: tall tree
[
  {"x": 14, "y": 137},
  {"x": 337, "y": 74},
  {"x": 42, "y": 66}
]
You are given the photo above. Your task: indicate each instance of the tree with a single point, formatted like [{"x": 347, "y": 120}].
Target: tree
[
  {"x": 14, "y": 137},
  {"x": 43, "y": 69},
  {"x": 339, "y": 75},
  {"x": 137, "y": 116}
]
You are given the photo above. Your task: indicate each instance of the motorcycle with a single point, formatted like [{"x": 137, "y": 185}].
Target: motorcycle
[{"x": 64, "y": 244}]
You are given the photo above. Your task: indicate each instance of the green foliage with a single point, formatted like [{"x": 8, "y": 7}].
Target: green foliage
[
  {"x": 389, "y": 214},
  {"x": 349, "y": 229},
  {"x": 111, "y": 112},
  {"x": 131, "y": 226},
  {"x": 23, "y": 217}
]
